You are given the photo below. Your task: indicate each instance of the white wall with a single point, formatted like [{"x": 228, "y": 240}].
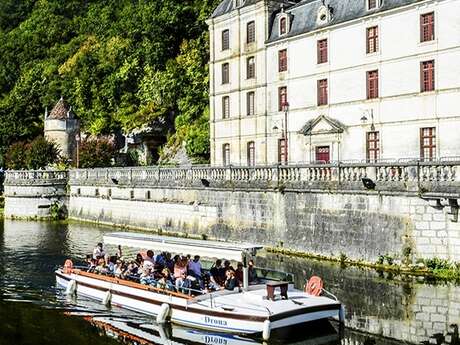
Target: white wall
[{"x": 399, "y": 112}]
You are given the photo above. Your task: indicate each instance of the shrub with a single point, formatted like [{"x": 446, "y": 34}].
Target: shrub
[
  {"x": 34, "y": 155},
  {"x": 97, "y": 153},
  {"x": 16, "y": 156},
  {"x": 41, "y": 153}
]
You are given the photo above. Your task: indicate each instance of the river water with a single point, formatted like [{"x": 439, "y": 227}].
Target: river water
[{"x": 380, "y": 309}]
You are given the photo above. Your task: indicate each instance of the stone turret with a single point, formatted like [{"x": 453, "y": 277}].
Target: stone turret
[{"x": 62, "y": 127}]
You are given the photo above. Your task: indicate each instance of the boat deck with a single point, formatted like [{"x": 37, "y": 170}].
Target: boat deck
[{"x": 255, "y": 302}]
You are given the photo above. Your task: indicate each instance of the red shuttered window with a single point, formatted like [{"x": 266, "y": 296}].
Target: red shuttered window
[
  {"x": 427, "y": 76},
  {"x": 282, "y": 98},
  {"x": 322, "y": 51},
  {"x": 322, "y": 92},
  {"x": 372, "y": 39},
  {"x": 282, "y": 154},
  {"x": 427, "y": 27},
  {"x": 282, "y": 60},
  {"x": 373, "y": 146},
  {"x": 372, "y": 84},
  {"x": 428, "y": 143},
  {"x": 283, "y": 26}
]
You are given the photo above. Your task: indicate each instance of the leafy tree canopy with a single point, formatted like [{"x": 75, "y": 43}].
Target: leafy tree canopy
[{"x": 120, "y": 63}]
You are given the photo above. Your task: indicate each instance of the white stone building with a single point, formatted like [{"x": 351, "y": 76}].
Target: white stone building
[{"x": 330, "y": 80}]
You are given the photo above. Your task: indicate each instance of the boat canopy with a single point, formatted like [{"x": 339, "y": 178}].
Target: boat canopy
[{"x": 207, "y": 249}]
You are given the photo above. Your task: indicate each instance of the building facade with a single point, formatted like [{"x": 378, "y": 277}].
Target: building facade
[{"x": 334, "y": 80}]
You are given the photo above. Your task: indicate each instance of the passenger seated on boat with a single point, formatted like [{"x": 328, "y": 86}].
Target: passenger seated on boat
[
  {"x": 252, "y": 274},
  {"x": 149, "y": 257},
  {"x": 101, "y": 267},
  {"x": 119, "y": 253},
  {"x": 169, "y": 263},
  {"x": 223, "y": 271},
  {"x": 194, "y": 267},
  {"x": 160, "y": 261},
  {"x": 239, "y": 273},
  {"x": 180, "y": 267},
  {"x": 98, "y": 252},
  {"x": 110, "y": 263},
  {"x": 180, "y": 282},
  {"x": 146, "y": 277},
  {"x": 165, "y": 282},
  {"x": 120, "y": 269},
  {"x": 231, "y": 282},
  {"x": 215, "y": 273},
  {"x": 132, "y": 270}
]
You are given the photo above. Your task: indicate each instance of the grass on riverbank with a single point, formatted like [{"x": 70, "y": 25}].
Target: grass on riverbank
[{"x": 435, "y": 268}]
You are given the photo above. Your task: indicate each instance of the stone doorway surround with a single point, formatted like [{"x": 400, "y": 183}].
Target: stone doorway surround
[{"x": 320, "y": 132}]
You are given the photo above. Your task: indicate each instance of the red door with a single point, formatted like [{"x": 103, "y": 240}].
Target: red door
[{"x": 322, "y": 154}]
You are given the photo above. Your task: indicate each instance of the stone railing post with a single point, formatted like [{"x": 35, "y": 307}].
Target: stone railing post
[{"x": 228, "y": 173}]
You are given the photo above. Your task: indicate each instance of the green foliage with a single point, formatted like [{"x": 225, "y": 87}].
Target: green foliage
[
  {"x": 34, "y": 155},
  {"x": 96, "y": 153},
  {"x": 41, "y": 153},
  {"x": 121, "y": 64}
]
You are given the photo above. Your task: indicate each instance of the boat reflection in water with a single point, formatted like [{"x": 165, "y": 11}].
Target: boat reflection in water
[{"x": 134, "y": 332}]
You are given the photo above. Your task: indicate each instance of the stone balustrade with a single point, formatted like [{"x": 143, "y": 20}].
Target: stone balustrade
[
  {"x": 414, "y": 176},
  {"x": 35, "y": 177},
  {"x": 439, "y": 176}
]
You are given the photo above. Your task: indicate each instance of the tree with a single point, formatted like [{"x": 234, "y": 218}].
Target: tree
[
  {"x": 97, "y": 153},
  {"x": 34, "y": 155}
]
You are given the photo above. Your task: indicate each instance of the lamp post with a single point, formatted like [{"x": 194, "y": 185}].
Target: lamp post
[
  {"x": 78, "y": 139},
  {"x": 285, "y": 106}
]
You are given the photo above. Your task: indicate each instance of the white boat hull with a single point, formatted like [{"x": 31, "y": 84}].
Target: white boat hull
[{"x": 203, "y": 312}]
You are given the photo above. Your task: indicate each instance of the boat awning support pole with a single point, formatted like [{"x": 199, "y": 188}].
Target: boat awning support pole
[{"x": 245, "y": 273}]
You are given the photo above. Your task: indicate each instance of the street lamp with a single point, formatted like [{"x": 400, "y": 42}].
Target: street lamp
[
  {"x": 78, "y": 139},
  {"x": 285, "y": 107}
]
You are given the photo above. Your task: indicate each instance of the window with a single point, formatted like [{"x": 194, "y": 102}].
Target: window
[
  {"x": 372, "y": 4},
  {"x": 372, "y": 40},
  {"x": 226, "y": 154},
  {"x": 251, "y": 154},
  {"x": 78, "y": 191},
  {"x": 282, "y": 152},
  {"x": 322, "y": 51},
  {"x": 250, "y": 68},
  {"x": 283, "y": 26},
  {"x": 250, "y": 103},
  {"x": 372, "y": 146},
  {"x": 225, "y": 40},
  {"x": 96, "y": 192},
  {"x": 109, "y": 193},
  {"x": 282, "y": 98},
  {"x": 372, "y": 84},
  {"x": 225, "y": 107},
  {"x": 322, "y": 92},
  {"x": 225, "y": 73},
  {"x": 148, "y": 195},
  {"x": 427, "y": 27},
  {"x": 282, "y": 60},
  {"x": 251, "y": 32},
  {"x": 428, "y": 143},
  {"x": 427, "y": 76},
  {"x": 131, "y": 194}
]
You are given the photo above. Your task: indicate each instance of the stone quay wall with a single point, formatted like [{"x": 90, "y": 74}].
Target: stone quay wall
[
  {"x": 412, "y": 211},
  {"x": 32, "y": 193}
]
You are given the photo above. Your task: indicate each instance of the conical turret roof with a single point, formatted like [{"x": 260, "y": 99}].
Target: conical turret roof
[{"x": 61, "y": 111}]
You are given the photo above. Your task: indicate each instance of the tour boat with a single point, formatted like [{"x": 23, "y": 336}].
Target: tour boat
[{"x": 252, "y": 310}]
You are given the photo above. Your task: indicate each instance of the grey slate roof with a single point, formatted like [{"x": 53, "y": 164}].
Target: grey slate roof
[
  {"x": 304, "y": 14},
  {"x": 226, "y": 6}
]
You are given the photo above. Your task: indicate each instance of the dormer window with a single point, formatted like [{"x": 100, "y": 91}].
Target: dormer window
[
  {"x": 324, "y": 15},
  {"x": 283, "y": 26},
  {"x": 372, "y": 4}
]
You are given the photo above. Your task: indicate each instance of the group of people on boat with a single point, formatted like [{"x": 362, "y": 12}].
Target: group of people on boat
[{"x": 179, "y": 273}]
